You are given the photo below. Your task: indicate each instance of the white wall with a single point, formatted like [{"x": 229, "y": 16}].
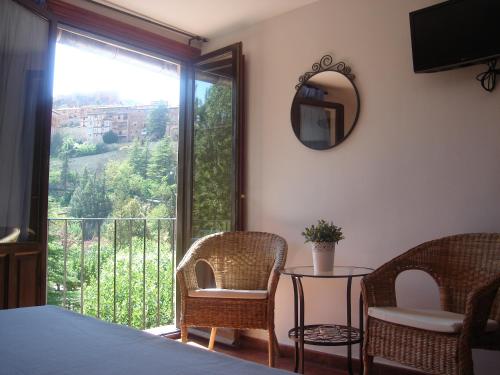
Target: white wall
[
  {"x": 128, "y": 19},
  {"x": 423, "y": 161}
]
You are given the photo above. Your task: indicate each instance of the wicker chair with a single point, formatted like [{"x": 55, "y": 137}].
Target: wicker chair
[
  {"x": 246, "y": 267},
  {"x": 466, "y": 269}
]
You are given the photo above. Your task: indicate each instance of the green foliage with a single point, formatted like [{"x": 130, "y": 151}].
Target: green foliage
[
  {"x": 139, "y": 157},
  {"x": 86, "y": 149},
  {"x": 213, "y": 161},
  {"x": 142, "y": 186},
  {"x": 72, "y": 148},
  {"x": 157, "y": 121},
  {"x": 110, "y": 137},
  {"x": 55, "y": 278},
  {"x": 68, "y": 145},
  {"x": 56, "y": 144},
  {"x": 323, "y": 232},
  {"x": 65, "y": 173},
  {"x": 118, "y": 180},
  {"x": 163, "y": 162},
  {"x": 127, "y": 277},
  {"x": 90, "y": 199},
  {"x": 62, "y": 181},
  {"x": 67, "y": 180}
]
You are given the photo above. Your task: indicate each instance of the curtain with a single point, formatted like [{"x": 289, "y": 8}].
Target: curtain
[{"x": 23, "y": 49}]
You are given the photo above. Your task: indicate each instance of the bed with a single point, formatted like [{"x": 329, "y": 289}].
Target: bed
[{"x": 48, "y": 340}]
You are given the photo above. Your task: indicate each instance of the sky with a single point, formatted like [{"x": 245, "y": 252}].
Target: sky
[{"x": 80, "y": 71}]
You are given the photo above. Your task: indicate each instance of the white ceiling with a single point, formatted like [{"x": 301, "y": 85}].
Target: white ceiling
[{"x": 208, "y": 18}]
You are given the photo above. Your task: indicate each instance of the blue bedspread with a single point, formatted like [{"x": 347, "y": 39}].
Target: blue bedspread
[{"x": 49, "y": 340}]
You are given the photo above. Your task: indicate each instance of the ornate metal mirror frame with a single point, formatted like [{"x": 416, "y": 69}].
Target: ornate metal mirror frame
[{"x": 329, "y": 113}]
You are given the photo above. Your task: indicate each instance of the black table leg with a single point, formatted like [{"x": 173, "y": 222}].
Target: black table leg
[
  {"x": 301, "y": 324},
  {"x": 348, "y": 334},
  {"x": 295, "y": 322},
  {"x": 361, "y": 333},
  {"x": 349, "y": 327}
]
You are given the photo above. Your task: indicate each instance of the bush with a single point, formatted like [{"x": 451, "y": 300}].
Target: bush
[
  {"x": 101, "y": 148},
  {"x": 110, "y": 137},
  {"x": 86, "y": 149}
]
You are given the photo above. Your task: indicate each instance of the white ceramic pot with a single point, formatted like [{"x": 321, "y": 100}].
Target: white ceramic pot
[{"x": 323, "y": 255}]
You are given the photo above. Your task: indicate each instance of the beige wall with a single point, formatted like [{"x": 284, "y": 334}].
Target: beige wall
[
  {"x": 423, "y": 161},
  {"x": 127, "y": 19}
]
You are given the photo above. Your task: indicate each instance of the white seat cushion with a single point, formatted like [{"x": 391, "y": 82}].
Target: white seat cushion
[
  {"x": 430, "y": 320},
  {"x": 228, "y": 293}
]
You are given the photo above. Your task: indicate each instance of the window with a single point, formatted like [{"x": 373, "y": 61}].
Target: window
[{"x": 209, "y": 133}]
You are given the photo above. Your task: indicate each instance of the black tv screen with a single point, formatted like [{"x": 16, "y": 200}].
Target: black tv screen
[{"x": 455, "y": 33}]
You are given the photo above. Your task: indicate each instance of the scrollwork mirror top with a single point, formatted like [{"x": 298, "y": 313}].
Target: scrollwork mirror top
[{"x": 325, "y": 108}]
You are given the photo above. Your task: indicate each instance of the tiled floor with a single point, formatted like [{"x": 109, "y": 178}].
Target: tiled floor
[{"x": 260, "y": 356}]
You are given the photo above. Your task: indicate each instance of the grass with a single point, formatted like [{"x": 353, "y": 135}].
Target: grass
[{"x": 96, "y": 162}]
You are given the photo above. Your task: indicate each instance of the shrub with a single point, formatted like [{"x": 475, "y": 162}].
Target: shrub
[{"x": 110, "y": 137}]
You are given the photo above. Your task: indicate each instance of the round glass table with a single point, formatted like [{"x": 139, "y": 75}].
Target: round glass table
[{"x": 325, "y": 334}]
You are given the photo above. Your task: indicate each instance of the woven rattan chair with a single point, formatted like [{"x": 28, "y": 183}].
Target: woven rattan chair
[
  {"x": 246, "y": 267},
  {"x": 466, "y": 269}
]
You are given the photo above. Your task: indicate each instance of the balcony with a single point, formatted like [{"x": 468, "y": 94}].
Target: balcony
[{"x": 116, "y": 269}]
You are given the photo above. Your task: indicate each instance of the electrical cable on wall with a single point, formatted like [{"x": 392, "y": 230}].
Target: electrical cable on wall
[{"x": 489, "y": 77}]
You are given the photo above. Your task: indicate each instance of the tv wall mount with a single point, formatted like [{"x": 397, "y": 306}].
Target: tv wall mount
[{"x": 488, "y": 78}]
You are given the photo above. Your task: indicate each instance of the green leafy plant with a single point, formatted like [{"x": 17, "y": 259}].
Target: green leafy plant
[
  {"x": 323, "y": 232},
  {"x": 110, "y": 137}
]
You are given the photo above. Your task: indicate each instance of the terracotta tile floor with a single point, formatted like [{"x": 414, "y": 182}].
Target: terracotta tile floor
[{"x": 260, "y": 356}]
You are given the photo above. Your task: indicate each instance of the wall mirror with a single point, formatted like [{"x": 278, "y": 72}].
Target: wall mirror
[{"x": 325, "y": 108}]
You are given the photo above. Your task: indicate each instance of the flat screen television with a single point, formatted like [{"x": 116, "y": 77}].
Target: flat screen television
[{"x": 455, "y": 33}]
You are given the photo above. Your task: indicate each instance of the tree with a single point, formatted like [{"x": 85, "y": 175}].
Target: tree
[
  {"x": 56, "y": 278},
  {"x": 157, "y": 121},
  {"x": 66, "y": 179},
  {"x": 213, "y": 161},
  {"x": 162, "y": 176},
  {"x": 163, "y": 161},
  {"x": 55, "y": 144},
  {"x": 110, "y": 137},
  {"x": 90, "y": 199},
  {"x": 68, "y": 146},
  {"x": 139, "y": 159}
]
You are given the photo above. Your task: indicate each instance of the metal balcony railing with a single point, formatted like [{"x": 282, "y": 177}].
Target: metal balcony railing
[{"x": 116, "y": 269}]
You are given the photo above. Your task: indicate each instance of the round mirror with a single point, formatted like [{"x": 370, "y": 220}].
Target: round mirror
[{"x": 325, "y": 109}]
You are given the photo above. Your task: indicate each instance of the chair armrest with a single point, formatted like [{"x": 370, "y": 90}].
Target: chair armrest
[
  {"x": 272, "y": 284},
  {"x": 478, "y": 306},
  {"x": 379, "y": 287},
  {"x": 181, "y": 280},
  {"x": 185, "y": 272},
  {"x": 279, "y": 264}
]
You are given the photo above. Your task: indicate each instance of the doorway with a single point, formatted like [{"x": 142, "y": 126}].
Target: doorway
[{"x": 113, "y": 181}]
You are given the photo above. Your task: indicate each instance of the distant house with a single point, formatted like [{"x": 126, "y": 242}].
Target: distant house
[{"x": 128, "y": 122}]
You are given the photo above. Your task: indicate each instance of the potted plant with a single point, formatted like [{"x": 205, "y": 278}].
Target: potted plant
[{"x": 323, "y": 237}]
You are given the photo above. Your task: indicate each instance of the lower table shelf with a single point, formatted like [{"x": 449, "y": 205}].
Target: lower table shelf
[{"x": 326, "y": 334}]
